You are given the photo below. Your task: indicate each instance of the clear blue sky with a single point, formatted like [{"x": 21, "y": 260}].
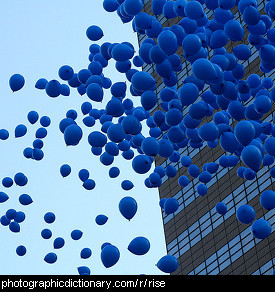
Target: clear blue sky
[{"x": 37, "y": 38}]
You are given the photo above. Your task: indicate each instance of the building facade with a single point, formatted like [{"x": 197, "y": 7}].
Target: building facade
[{"x": 205, "y": 242}]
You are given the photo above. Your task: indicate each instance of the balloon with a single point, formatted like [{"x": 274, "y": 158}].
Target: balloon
[
  {"x": 53, "y": 88},
  {"x": 157, "y": 6},
  {"x": 14, "y": 226},
  {"x": 245, "y": 214},
  {"x": 262, "y": 104},
  {"x": 85, "y": 253},
  {"x": 168, "y": 264},
  {"x": 58, "y": 242},
  {"x": 25, "y": 199},
  {"x": 32, "y": 117},
  {"x": 41, "y": 133},
  {"x": 236, "y": 110},
  {"x": 127, "y": 185},
  {"x": 261, "y": 229},
  {"x": 139, "y": 245},
  {"x": 41, "y": 83},
  {"x": 252, "y": 157},
  {"x": 16, "y": 82},
  {"x": 83, "y": 270},
  {"x": 267, "y": 199},
  {"x": 143, "y": 81},
  {"x": 143, "y": 20},
  {"x": 114, "y": 172},
  {"x": 221, "y": 208},
  {"x": 269, "y": 146},
  {"x": 46, "y": 233},
  {"x": 171, "y": 205},
  {"x": 3, "y": 197},
  {"x": 20, "y": 131},
  {"x": 204, "y": 70},
  {"x": 109, "y": 255},
  {"x": 94, "y": 33},
  {"x": 202, "y": 189},
  {"x": 150, "y": 146},
  {"x": 95, "y": 92},
  {"x": 11, "y": 214},
  {"x": 188, "y": 93},
  {"x": 50, "y": 258},
  {"x": 66, "y": 72},
  {"x": 244, "y": 132},
  {"x": 122, "y": 52},
  {"x": 72, "y": 135},
  {"x": 116, "y": 133},
  {"x": 193, "y": 170},
  {"x": 141, "y": 164},
  {"x": 228, "y": 142},
  {"x": 20, "y": 179},
  {"x": 65, "y": 170},
  {"x": 20, "y": 217},
  {"x": 83, "y": 174},
  {"x": 128, "y": 207},
  {"x": 21, "y": 250},
  {"x": 191, "y": 44},
  {"x": 89, "y": 184},
  {"x": 7, "y": 182},
  {"x": 242, "y": 52},
  {"x": 101, "y": 219},
  {"x": 49, "y": 217},
  {"x": 208, "y": 132},
  {"x": 167, "y": 42},
  {"x": 76, "y": 234},
  {"x": 234, "y": 30},
  {"x": 186, "y": 161},
  {"x": 64, "y": 123}
]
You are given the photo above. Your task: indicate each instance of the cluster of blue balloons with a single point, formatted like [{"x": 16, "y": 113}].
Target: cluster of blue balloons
[{"x": 215, "y": 88}]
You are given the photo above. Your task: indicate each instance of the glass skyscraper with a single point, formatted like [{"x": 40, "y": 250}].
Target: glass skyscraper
[{"x": 205, "y": 242}]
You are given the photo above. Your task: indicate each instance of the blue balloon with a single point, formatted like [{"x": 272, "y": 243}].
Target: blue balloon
[
  {"x": 20, "y": 131},
  {"x": 267, "y": 199},
  {"x": 252, "y": 157},
  {"x": 85, "y": 253},
  {"x": 25, "y": 199},
  {"x": 183, "y": 180},
  {"x": 83, "y": 174},
  {"x": 229, "y": 142},
  {"x": 46, "y": 233},
  {"x": 95, "y": 92},
  {"x": 128, "y": 207},
  {"x": 20, "y": 179},
  {"x": 168, "y": 264},
  {"x": 20, "y": 217},
  {"x": 53, "y": 88},
  {"x": 94, "y": 33},
  {"x": 65, "y": 170},
  {"x": 127, "y": 185},
  {"x": 245, "y": 214},
  {"x": 167, "y": 41},
  {"x": 208, "y": 132},
  {"x": 139, "y": 245},
  {"x": 101, "y": 219},
  {"x": 3, "y": 197},
  {"x": 261, "y": 229},
  {"x": 16, "y": 82},
  {"x": 76, "y": 234},
  {"x": 83, "y": 270},
  {"x": 72, "y": 135},
  {"x": 244, "y": 132},
  {"x": 193, "y": 170},
  {"x": 59, "y": 242},
  {"x": 11, "y": 213},
  {"x": 89, "y": 184},
  {"x": 49, "y": 217},
  {"x": 262, "y": 104},
  {"x": 234, "y": 30},
  {"x": 242, "y": 52},
  {"x": 21, "y": 250},
  {"x": 14, "y": 226},
  {"x": 41, "y": 133},
  {"x": 202, "y": 189},
  {"x": 188, "y": 93},
  {"x": 171, "y": 205},
  {"x": 221, "y": 208},
  {"x": 32, "y": 117},
  {"x": 143, "y": 81},
  {"x": 7, "y": 182},
  {"x": 269, "y": 146},
  {"x": 50, "y": 258},
  {"x": 114, "y": 172},
  {"x": 64, "y": 123},
  {"x": 41, "y": 83},
  {"x": 141, "y": 164},
  {"x": 66, "y": 72},
  {"x": 109, "y": 255}
]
